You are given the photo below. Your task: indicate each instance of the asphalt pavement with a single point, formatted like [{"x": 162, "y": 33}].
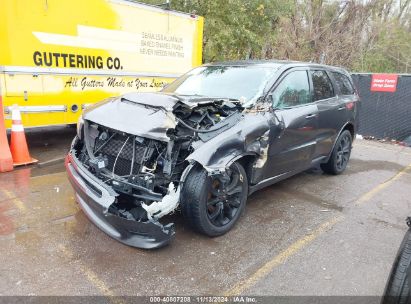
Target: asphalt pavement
[{"x": 312, "y": 234}]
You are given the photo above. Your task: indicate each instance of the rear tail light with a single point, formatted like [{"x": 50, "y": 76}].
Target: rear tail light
[{"x": 350, "y": 105}]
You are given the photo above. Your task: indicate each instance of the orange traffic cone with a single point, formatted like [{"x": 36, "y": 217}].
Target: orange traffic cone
[
  {"x": 18, "y": 143},
  {"x": 6, "y": 161}
]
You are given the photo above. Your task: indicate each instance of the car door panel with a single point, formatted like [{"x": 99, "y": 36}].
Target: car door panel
[
  {"x": 331, "y": 120},
  {"x": 330, "y": 109},
  {"x": 293, "y": 149}
]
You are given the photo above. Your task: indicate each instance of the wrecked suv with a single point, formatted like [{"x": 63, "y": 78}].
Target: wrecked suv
[{"x": 205, "y": 142}]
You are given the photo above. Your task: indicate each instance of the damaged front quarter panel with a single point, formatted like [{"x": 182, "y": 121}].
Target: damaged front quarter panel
[{"x": 245, "y": 138}]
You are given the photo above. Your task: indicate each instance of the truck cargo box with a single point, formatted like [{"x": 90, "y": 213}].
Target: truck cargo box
[{"x": 59, "y": 56}]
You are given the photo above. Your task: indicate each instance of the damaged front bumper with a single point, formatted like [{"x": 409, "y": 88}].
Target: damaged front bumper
[{"x": 95, "y": 198}]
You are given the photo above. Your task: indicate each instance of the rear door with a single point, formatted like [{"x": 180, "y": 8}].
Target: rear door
[
  {"x": 331, "y": 111},
  {"x": 346, "y": 94},
  {"x": 292, "y": 148}
]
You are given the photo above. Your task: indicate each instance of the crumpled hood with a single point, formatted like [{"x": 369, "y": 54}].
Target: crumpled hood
[{"x": 143, "y": 114}]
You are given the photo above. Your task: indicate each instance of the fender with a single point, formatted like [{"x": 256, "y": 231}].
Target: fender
[
  {"x": 242, "y": 139},
  {"x": 336, "y": 138}
]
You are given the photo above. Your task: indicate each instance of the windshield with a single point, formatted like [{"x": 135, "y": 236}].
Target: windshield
[{"x": 243, "y": 83}]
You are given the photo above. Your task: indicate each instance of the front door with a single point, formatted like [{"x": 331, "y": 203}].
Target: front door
[{"x": 291, "y": 149}]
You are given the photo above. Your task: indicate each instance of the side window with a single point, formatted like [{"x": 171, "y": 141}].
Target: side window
[
  {"x": 343, "y": 83},
  {"x": 293, "y": 90},
  {"x": 323, "y": 88}
]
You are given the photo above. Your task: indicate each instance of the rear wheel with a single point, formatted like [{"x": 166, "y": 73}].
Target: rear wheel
[
  {"x": 213, "y": 204},
  {"x": 340, "y": 155}
]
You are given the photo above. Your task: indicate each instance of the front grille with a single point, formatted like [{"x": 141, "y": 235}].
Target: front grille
[{"x": 123, "y": 164}]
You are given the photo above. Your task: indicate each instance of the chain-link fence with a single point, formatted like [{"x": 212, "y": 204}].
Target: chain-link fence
[{"x": 384, "y": 114}]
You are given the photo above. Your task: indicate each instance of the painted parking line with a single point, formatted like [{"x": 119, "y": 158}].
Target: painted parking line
[
  {"x": 281, "y": 258},
  {"x": 294, "y": 248},
  {"x": 370, "y": 194},
  {"x": 16, "y": 201},
  {"x": 92, "y": 277}
]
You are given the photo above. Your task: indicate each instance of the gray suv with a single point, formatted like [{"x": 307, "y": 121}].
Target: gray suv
[{"x": 207, "y": 141}]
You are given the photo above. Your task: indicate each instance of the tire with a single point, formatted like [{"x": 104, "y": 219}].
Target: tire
[
  {"x": 204, "y": 204},
  {"x": 397, "y": 290},
  {"x": 340, "y": 155}
]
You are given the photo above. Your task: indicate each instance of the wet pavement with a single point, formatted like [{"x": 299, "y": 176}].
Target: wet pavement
[{"x": 312, "y": 234}]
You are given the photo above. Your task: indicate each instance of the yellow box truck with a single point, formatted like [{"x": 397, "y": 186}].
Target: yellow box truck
[{"x": 59, "y": 56}]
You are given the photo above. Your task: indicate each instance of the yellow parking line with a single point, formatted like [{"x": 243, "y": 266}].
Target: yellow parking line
[
  {"x": 370, "y": 194},
  {"x": 97, "y": 282},
  {"x": 19, "y": 204},
  {"x": 91, "y": 276},
  {"x": 301, "y": 243},
  {"x": 279, "y": 259}
]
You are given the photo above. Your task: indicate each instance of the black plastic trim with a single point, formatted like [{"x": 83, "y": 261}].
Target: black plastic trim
[{"x": 147, "y": 235}]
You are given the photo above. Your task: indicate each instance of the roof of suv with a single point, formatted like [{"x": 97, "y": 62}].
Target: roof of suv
[
  {"x": 273, "y": 63},
  {"x": 253, "y": 62}
]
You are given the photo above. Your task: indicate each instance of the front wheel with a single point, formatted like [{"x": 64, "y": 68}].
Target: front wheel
[
  {"x": 340, "y": 155},
  {"x": 213, "y": 204}
]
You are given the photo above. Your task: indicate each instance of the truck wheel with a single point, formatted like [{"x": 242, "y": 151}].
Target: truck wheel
[
  {"x": 213, "y": 204},
  {"x": 340, "y": 155},
  {"x": 398, "y": 287}
]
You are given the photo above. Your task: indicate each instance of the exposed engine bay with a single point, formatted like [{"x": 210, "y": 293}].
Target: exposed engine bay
[{"x": 146, "y": 172}]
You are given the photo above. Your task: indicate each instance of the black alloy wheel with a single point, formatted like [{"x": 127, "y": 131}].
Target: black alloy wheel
[
  {"x": 340, "y": 154},
  {"x": 343, "y": 151},
  {"x": 213, "y": 204},
  {"x": 224, "y": 197}
]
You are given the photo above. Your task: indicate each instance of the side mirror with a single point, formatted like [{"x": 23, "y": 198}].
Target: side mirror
[{"x": 260, "y": 99}]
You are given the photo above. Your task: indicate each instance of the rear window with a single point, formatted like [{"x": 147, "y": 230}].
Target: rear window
[
  {"x": 343, "y": 83},
  {"x": 323, "y": 88}
]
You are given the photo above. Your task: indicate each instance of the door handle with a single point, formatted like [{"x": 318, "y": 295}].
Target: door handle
[
  {"x": 309, "y": 116},
  {"x": 341, "y": 108}
]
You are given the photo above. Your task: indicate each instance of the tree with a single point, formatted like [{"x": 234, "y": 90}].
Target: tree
[
  {"x": 236, "y": 29},
  {"x": 361, "y": 35}
]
